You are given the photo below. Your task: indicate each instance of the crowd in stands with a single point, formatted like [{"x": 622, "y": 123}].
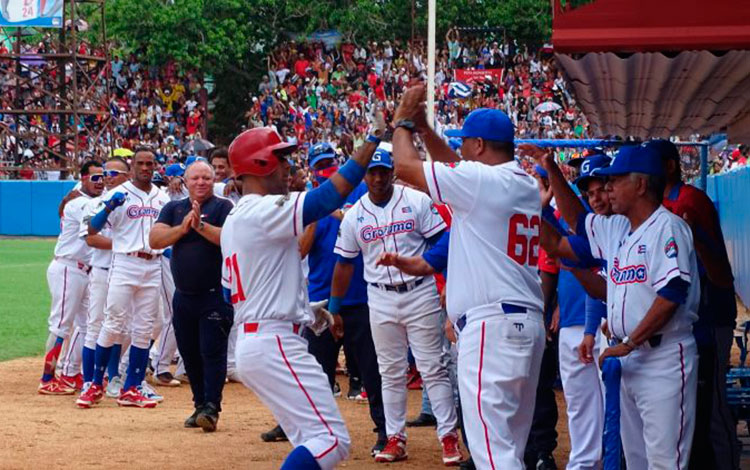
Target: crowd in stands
[
  {"x": 313, "y": 92},
  {"x": 163, "y": 107}
]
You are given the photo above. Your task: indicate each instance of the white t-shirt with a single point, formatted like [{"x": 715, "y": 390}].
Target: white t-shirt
[
  {"x": 642, "y": 262},
  {"x": 69, "y": 244},
  {"x": 132, "y": 222},
  {"x": 494, "y": 245},
  {"x": 402, "y": 227},
  {"x": 99, "y": 258},
  {"x": 262, "y": 265}
]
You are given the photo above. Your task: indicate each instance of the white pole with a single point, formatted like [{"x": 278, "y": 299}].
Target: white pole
[{"x": 431, "y": 64}]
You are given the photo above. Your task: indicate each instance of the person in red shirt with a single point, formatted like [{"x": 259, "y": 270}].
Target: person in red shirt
[
  {"x": 714, "y": 442},
  {"x": 301, "y": 65},
  {"x": 193, "y": 122},
  {"x": 372, "y": 78}
]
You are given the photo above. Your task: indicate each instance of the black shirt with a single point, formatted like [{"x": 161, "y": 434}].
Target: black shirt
[{"x": 196, "y": 262}]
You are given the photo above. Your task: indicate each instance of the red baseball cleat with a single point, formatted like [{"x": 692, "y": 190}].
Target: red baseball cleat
[
  {"x": 72, "y": 381},
  {"x": 451, "y": 453},
  {"x": 90, "y": 397},
  {"x": 133, "y": 397},
  {"x": 394, "y": 451},
  {"x": 54, "y": 387}
]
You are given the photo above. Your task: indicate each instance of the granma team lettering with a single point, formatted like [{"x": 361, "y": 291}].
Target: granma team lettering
[
  {"x": 371, "y": 234},
  {"x": 136, "y": 212},
  {"x": 627, "y": 274}
]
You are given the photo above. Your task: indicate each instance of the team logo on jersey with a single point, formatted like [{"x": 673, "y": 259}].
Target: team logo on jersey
[
  {"x": 434, "y": 209},
  {"x": 137, "y": 212},
  {"x": 406, "y": 210},
  {"x": 633, "y": 274},
  {"x": 371, "y": 234},
  {"x": 670, "y": 249},
  {"x": 360, "y": 219}
]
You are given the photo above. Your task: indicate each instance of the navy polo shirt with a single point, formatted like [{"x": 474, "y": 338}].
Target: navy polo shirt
[{"x": 196, "y": 262}]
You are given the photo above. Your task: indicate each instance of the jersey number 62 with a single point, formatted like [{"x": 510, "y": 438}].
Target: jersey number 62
[{"x": 523, "y": 239}]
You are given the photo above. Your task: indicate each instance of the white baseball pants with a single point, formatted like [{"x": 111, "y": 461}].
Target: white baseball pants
[
  {"x": 166, "y": 344},
  {"x": 132, "y": 301},
  {"x": 68, "y": 284},
  {"x": 499, "y": 358},
  {"x": 275, "y": 364},
  {"x": 400, "y": 320},
  {"x": 584, "y": 401},
  {"x": 657, "y": 404},
  {"x": 98, "y": 287}
]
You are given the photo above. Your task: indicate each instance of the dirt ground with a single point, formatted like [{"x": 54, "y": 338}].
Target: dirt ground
[{"x": 50, "y": 432}]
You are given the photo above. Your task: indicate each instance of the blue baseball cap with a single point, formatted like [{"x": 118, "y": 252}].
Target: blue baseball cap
[
  {"x": 318, "y": 152},
  {"x": 634, "y": 159},
  {"x": 489, "y": 124},
  {"x": 666, "y": 149},
  {"x": 589, "y": 168},
  {"x": 157, "y": 178},
  {"x": 175, "y": 169},
  {"x": 192, "y": 159},
  {"x": 381, "y": 157}
]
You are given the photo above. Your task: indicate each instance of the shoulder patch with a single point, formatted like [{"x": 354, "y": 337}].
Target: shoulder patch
[{"x": 670, "y": 248}]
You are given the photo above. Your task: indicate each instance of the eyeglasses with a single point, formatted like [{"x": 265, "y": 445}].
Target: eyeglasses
[
  {"x": 113, "y": 173},
  {"x": 95, "y": 178}
]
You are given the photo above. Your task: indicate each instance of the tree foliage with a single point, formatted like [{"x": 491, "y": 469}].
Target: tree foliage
[{"x": 229, "y": 39}]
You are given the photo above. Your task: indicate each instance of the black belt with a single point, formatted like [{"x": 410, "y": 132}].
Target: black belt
[
  {"x": 507, "y": 308},
  {"x": 406, "y": 287}
]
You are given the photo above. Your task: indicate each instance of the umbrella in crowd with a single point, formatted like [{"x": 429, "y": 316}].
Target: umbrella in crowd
[
  {"x": 122, "y": 152},
  {"x": 547, "y": 107},
  {"x": 197, "y": 145}
]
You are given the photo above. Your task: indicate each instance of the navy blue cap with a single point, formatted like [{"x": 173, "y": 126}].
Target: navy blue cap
[
  {"x": 175, "y": 169},
  {"x": 590, "y": 166},
  {"x": 157, "y": 177},
  {"x": 318, "y": 152},
  {"x": 634, "y": 159},
  {"x": 666, "y": 149},
  {"x": 381, "y": 157},
  {"x": 489, "y": 124}
]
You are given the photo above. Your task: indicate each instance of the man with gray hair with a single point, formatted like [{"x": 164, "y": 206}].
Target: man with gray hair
[{"x": 202, "y": 319}]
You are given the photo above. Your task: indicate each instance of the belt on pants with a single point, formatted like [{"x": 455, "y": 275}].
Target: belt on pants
[
  {"x": 652, "y": 342},
  {"x": 506, "y": 307},
  {"x": 271, "y": 326},
  {"x": 406, "y": 287},
  {"x": 73, "y": 263},
  {"x": 142, "y": 255}
]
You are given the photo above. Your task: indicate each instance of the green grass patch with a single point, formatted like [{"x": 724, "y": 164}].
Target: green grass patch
[{"x": 24, "y": 296}]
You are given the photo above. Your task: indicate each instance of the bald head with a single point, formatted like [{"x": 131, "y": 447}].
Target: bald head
[{"x": 199, "y": 179}]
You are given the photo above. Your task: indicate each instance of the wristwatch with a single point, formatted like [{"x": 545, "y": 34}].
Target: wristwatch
[
  {"x": 629, "y": 342},
  {"x": 407, "y": 124},
  {"x": 201, "y": 225}
]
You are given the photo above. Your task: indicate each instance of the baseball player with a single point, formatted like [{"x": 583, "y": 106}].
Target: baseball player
[
  {"x": 494, "y": 297},
  {"x": 578, "y": 338},
  {"x": 68, "y": 280},
  {"x": 263, "y": 278},
  {"x": 135, "y": 278},
  {"x": 116, "y": 172},
  {"x": 652, "y": 269},
  {"x": 404, "y": 309}
]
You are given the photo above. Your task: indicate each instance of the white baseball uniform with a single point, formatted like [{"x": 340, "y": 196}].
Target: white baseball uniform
[
  {"x": 659, "y": 378},
  {"x": 135, "y": 275},
  {"x": 399, "y": 319},
  {"x": 494, "y": 299},
  {"x": 262, "y": 269}
]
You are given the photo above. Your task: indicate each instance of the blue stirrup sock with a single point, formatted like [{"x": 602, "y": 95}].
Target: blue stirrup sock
[
  {"x": 113, "y": 366},
  {"x": 87, "y": 364},
  {"x": 101, "y": 359},
  {"x": 300, "y": 458},
  {"x": 137, "y": 367}
]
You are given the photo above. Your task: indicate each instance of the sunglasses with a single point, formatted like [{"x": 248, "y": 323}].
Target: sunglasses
[
  {"x": 113, "y": 173},
  {"x": 95, "y": 178}
]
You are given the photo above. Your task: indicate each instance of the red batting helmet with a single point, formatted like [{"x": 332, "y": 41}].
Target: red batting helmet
[{"x": 254, "y": 152}]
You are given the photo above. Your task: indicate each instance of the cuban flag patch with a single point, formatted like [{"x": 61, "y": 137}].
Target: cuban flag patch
[
  {"x": 406, "y": 210},
  {"x": 670, "y": 248}
]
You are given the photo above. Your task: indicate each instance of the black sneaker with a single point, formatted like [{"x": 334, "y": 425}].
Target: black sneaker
[
  {"x": 191, "y": 421},
  {"x": 355, "y": 390},
  {"x": 274, "y": 435},
  {"x": 208, "y": 417},
  {"x": 379, "y": 445},
  {"x": 467, "y": 464},
  {"x": 546, "y": 462},
  {"x": 423, "y": 420}
]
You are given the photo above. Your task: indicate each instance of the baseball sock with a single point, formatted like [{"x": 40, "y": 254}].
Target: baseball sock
[
  {"x": 113, "y": 366},
  {"x": 50, "y": 359},
  {"x": 136, "y": 367},
  {"x": 101, "y": 358},
  {"x": 300, "y": 458},
  {"x": 88, "y": 364}
]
